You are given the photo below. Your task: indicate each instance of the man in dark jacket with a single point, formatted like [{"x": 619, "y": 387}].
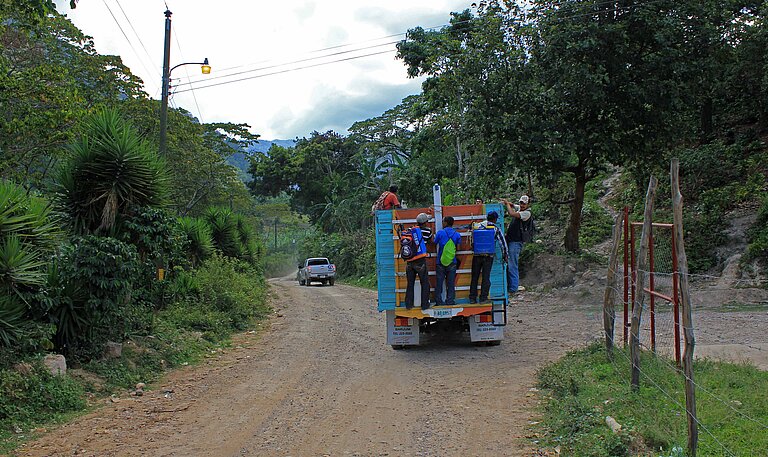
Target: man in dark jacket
[
  {"x": 485, "y": 236},
  {"x": 520, "y": 214}
]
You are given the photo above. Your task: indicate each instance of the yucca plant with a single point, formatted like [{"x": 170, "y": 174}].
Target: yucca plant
[
  {"x": 224, "y": 231},
  {"x": 28, "y": 234},
  {"x": 111, "y": 169},
  {"x": 199, "y": 234},
  {"x": 13, "y": 322}
]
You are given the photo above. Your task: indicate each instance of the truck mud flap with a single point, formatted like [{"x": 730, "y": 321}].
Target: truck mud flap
[
  {"x": 482, "y": 328},
  {"x": 402, "y": 331}
]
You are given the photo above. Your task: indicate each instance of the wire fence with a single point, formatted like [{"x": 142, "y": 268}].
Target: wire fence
[{"x": 729, "y": 318}]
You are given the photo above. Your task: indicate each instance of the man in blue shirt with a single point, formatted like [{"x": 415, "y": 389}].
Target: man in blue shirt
[{"x": 447, "y": 240}]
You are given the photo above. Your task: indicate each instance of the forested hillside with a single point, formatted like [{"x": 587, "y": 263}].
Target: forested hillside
[{"x": 551, "y": 99}]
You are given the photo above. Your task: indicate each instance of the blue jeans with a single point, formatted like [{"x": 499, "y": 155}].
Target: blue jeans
[
  {"x": 513, "y": 273},
  {"x": 447, "y": 274}
]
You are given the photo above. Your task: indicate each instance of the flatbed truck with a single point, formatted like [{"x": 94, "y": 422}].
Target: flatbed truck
[{"x": 484, "y": 322}]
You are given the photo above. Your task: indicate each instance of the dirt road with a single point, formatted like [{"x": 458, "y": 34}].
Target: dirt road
[{"x": 322, "y": 381}]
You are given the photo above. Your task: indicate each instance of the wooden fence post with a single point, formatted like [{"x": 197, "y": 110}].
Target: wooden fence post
[
  {"x": 609, "y": 298},
  {"x": 637, "y": 309},
  {"x": 685, "y": 302}
]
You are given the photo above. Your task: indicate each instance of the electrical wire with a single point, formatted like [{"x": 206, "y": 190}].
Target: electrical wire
[
  {"x": 286, "y": 71},
  {"x": 192, "y": 82},
  {"x": 309, "y": 59},
  {"x": 194, "y": 97},
  {"x": 139, "y": 38},
  {"x": 141, "y": 61}
]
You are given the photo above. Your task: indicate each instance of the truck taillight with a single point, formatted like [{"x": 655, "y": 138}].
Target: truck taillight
[
  {"x": 484, "y": 318},
  {"x": 309, "y": 269},
  {"x": 402, "y": 322},
  {"x": 332, "y": 267}
]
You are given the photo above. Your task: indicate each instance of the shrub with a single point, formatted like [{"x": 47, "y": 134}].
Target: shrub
[
  {"x": 36, "y": 396},
  {"x": 232, "y": 287},
  {"x": 93, "y": 281},
  {"x": 199, "y": 239},
  {"x": 28, "y": 234}
]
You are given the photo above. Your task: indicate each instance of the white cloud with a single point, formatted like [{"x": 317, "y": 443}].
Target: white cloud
[{"x": 238, "y": 35}]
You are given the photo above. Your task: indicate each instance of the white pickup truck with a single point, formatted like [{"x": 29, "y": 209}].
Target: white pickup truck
[{"x": 318, "y": 269}]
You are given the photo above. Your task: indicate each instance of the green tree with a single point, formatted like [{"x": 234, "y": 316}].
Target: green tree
[{"x": 50, "y": 77}]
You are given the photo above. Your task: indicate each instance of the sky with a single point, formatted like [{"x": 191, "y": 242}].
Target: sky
[{"x": 254, "y": 38}]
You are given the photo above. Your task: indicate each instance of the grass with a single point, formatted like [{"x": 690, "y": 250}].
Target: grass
[
  {"x": 584, "y": 387},
  {"x": 366, "y": 282}
]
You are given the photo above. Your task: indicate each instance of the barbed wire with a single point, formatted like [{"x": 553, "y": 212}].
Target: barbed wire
[
  {"x": 672, "y": 399},
  {"x": 712, "y": 394}
]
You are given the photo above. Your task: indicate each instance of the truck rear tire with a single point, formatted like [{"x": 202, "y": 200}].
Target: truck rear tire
[{"x": 331, "y": 281}]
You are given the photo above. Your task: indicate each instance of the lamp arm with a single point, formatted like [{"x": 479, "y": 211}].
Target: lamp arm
[{"x": 185, "y": 63}]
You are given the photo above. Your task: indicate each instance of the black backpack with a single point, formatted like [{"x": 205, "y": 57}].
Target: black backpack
[{"x": 527, "y": 230}]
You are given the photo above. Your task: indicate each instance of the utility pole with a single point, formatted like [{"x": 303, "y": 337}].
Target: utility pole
[
  {"x": 166, "y": 82},
  {"x": 275, "y": 234}
]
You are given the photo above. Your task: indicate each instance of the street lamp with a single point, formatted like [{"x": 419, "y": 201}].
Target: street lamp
[{"x": 205, "y": 67}]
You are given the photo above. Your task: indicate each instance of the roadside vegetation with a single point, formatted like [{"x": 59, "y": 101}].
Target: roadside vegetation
[
  {"x": 584, "y": 387},
  {"x": 124, "y": 262}
]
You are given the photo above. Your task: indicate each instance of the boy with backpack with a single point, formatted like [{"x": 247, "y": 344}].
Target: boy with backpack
[
  {"x": 413, "y": 249},
  {"x": 485, "y": 237},
  {"x": 387, "y": 200},
  {"x": 520, "y": 231},
  {"x": 447, "y": 241}
]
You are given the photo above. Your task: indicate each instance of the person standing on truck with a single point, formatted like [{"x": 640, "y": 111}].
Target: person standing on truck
[
  {"x": 485, "y": 237},
  {"x": 386, "y": 201},
  {"x": 447, "y": 240},
  {"x": 417, "y": 265},
  {"x": 521, "y": 216}
]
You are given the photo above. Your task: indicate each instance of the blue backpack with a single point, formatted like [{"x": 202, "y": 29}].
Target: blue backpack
[{"x": 484, "y": 240}]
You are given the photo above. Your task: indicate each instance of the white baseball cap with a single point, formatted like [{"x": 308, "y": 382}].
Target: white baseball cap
[{"x": 524, "y": 199}]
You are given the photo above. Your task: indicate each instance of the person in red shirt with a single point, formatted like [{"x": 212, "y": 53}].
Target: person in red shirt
[{"x": 391, "y": 201}]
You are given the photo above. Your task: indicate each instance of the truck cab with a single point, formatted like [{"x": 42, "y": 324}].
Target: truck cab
[{"x": 483, "y": 321}]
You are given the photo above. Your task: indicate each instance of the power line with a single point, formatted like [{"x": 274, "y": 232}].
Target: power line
[
  {"x": 138, "y": 37},
  {"x": 309, "y": 59},
  {"x": 126, "y": 37},
  {"x": 386, "y": 37},
  {"x": 288, "y": 70},
  {"x": 186, "y": 70}
]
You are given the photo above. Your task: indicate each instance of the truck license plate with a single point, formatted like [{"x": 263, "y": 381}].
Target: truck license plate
[{"x": 440, "y": 313}]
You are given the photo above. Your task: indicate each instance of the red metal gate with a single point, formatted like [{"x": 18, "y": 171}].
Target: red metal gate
[{"x": 656, "y": 290}]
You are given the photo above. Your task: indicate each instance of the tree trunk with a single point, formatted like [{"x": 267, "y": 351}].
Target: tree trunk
[
  {"x": 572, "y": 232},
  {"x": 530, "y": 186},
  {"x": 707, "y": 124},
  {"x": 459, "y": 157}
]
